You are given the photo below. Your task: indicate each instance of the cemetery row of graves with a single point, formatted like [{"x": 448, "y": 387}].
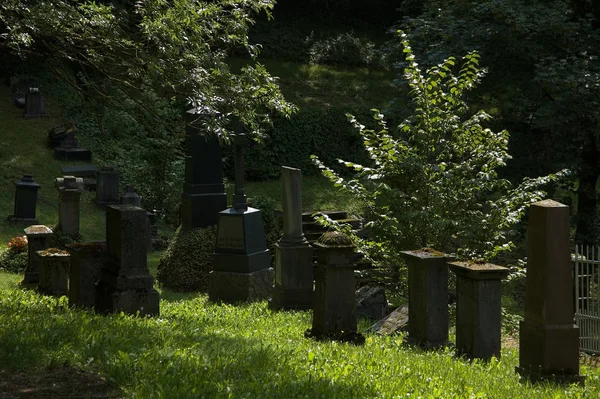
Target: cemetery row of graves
[{"x": 112, "y": 276}]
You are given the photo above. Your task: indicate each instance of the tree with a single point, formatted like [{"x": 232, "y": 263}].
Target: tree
[{"x": 435, "y": 177}]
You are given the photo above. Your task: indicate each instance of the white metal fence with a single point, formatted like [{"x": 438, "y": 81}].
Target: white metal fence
[{"x": 586, "y": 274}]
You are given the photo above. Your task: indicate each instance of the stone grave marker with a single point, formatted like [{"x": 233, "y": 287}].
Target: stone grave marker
[
  {"x": 37, "y": 240},
  {"x": 34, "y": 104},
  {"x": 241, "y": 261},
  {"x": 25, "y": 201},
  {"x": 371, "y": 302},
  {"x": 548, "y": 336},
  {"x": 130, "y": 197},
  {"x": 293, "y": 254},
  {"x": 87, "y": 261},
  {"x": 203, "y": 194},
  {"x": 125, "y": 283},
  {"x": 69, "y": 193},
  {"x": 107, "y": 186},
  {"x": 54, "y": 271},
  {"x": 86, "y": 172}
]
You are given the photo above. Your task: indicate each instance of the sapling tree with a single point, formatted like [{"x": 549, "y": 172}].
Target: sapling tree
[{"x": 434, "y": 179}]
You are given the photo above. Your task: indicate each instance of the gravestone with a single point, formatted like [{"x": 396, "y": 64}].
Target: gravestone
[
  {"x": 241, "y": 260},
  {"x": 69, "y": 193},
  {"x": 54, "y": 271},
  {"x": 87, "y": 261},
  {"x": 392, "y": 323},
  {"x": 203, "y": 194},
  {"x": 107, "y": 186},
  {"x": 334, "y": 315},
  {"x": 371, "y": 302},
  {"x": 25, "y": 201},
  {"x": 72, "y": 154},
  {"x": 293, "y": 254},
  {"x": 125, "y": 285},
  {"x": 130, "y": 197},
  {"x": 427, "y": 297},
  {"x": 548, "y": 336},
  {"x": 34, "y": 104},
  {"x": 64, "y": 136},
  {"x": 478, "y": 308},
  {"x": 37, "y": 240},
  {"x": 86, "y": 172}
]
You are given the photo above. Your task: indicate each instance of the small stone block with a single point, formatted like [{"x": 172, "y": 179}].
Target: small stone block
[
  {"x": 241, "y": 287},
  {"x": 54, "y": 271}
]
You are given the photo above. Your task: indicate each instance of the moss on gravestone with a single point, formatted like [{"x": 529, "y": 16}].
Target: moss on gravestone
[{"x": 187, "y": 262}]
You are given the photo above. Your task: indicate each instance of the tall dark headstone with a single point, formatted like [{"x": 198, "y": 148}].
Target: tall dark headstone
[
  {"x": 69, "y": 193},
  {"x": 478, "y": 308},
  {"x": 203, "y": 194},
  {"x": 107, "y": 186},
  {"x": 548, "y": 336},
  {"x": 293, "y": 254},
  {"x": 37, "y": 239},
  {"x": 125, "y": 283},
  {"x": 427, "y": 297},
  {"x": 25, "y": 201},
  {"x": 241, "y": 260},
  {"x": 87, "y": 261},
  {"x": 34, "y": 104},
  {"x": 130, "y": 197}
]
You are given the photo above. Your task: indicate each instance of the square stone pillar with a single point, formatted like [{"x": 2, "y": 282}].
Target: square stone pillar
[
  {"x": 203, "y": 194},
  {"x": 293, "y": 254},
  {"x": 37, "y": 239},
  {"x": 427, "y": 297},
  {"x": 34, "y": 104},
  {"x": 69, "y": 193},
  {"x": 87, "y": 261},
  {"x": 54, "y": 271},
  {"x": 125, "y": 283},
  {"x": 478, "y": 308},
  {"x": 25, "y": 202},
  {"x": 107, "y": 186},
  {"x": 548, "y": 336}
]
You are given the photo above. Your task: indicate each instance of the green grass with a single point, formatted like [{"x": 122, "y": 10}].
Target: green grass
[{"x": 200, "y": 349}]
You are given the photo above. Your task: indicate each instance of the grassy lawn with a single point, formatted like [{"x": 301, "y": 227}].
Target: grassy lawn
[{"x": 200, "y": 349}]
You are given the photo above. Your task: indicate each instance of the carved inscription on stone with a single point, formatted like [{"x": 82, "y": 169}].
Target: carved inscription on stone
[{"x": 230, "y": 233}]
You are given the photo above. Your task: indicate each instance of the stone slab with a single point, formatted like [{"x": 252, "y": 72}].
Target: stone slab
[
  {"x": 392, "y": 323},
  {"x": 79, "y": 170},
  {"x": 240, "y": 287}
]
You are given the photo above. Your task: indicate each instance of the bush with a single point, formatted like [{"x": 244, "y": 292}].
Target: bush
[
  {"x": 273, "y": 227},
  {"x": 186, "y": 263},
  {"x": 348, "y": 50},
  {"x": 14, "y": 262}
]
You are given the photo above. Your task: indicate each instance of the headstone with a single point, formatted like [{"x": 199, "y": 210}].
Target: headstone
[
  {"x": 478, "y": 308},
  {"x": 125, "y": 283},
  {"x": 293, "y": 254},
  {"x": 371, "y": 302},
  {"x": 427, "y": 297},
  {"x": 130, "y": 197},
  {"x": 69, "y": 193},
  {"x": 392, "y": 323},
  {"x": 72, "y": 154},
  {"x": 241, "y": 260},
  {"x": 87, "y": 261},
  {"x": 334, "y": 315},
  {"x": 548, "y": 336},
  {"x": 107, "y": 186},
  {"x": 64, "y": 136},
  {"x": 203, "y": 194},
  {"x": 25, "y": 201},
  {"x": 54, "y": 271},
  {"x": 34, "y": 104},
  {"x": 87, "y": 172},
  {"x": 37, "y": 240}
]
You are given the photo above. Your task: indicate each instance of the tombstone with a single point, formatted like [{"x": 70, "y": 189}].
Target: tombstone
[
  {"x": 34, "y": 104},
  {"x": 107, "y": 186},
  {"x": 478, "y": 308},
  {"x": 69, "y": 193},
  {"x": 548, "y": 336},
  {"x": 130, "y": 197},
  {"x": 392, "y": 323},
  {"x": 37, "y": 240},
  {"x": 203, "y": 194},
  {"x": 125, "y": 285},
  {"x": 334, "y": 315},
  {"x": 371, "y": 302},
  {"x": 241, "y": 260},
  {"x": 72, "y": 154},
  {"x": 25, "y": 201},
  {"x": 86, "y": 172},
  {"x": 54, "y": 271},
  {"x": 87, "y": 261},
  {"x": 64, "y": 136},
  {"x": 427, "y": 297},
  {"x": 293, "y": 254}
]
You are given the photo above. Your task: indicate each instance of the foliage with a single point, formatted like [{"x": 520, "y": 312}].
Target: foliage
[
  {"x": 11, "y": 261},
  {"x": 186, "y": 263},
  {"x": 435, "y": 178},
  {"x": 197, "y": 348},
  {"x": 271, "y": 221},
  {"x": 346, "y": 49},
  {"x": 17, "y": 244}
]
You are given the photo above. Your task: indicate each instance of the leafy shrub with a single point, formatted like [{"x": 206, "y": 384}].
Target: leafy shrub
[
  {"x": 346, "y": 49},
  {"x": 187, "y": 262},
  {"x": 60, "y": 240},
  {"x": 14, "y": 262},
  {"x": 18, "y": 244},
  {"x": 272, "y": 223}
]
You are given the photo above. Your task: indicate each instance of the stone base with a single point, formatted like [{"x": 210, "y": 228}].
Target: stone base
[
  {"x": 426, "y": 344},
  {"x": 15, "y": 221},
  {"x": 536, "y": 375},
  {"x": 241, "y": 263},
  {"x": 31, "y": 279},
  {"x": 240, "y": 287},
  {"x": 72, "y": 154},
  {"x": 108, "y": 300},
  {"x": 289, "y": 299}
]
